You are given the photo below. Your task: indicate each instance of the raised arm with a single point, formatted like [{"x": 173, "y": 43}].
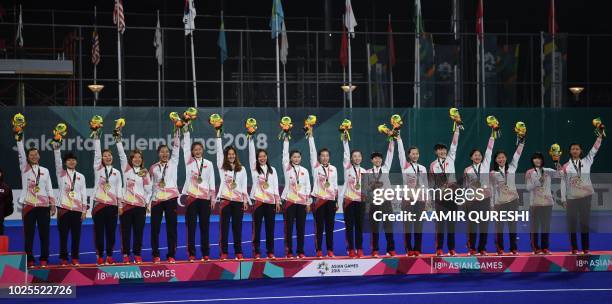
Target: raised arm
[
  {"x": 252, "y": 156},
  {"x": 515, "y": 158},
  {"x": 59, "y": 170},
  {"x": 23, "y": 160},
  {"x": 389, "y": 157},
  {"x": 219, "y": 148},
  {"x": 97, "y": 154},
  {"x": 591, "y": 156},
  {"x": 489, "y": 151},
  {"x": 314, "y": 162},
  {"x": 346, "y": 156},
  {"x": 186, "y": 147},
  {"x": 452, "y": 153},
  {"x": 122, "y": 157},
  {"x": 176, "y": 147},
  {"x": 285, "y": 154},
  {"x": 401, "y": 153}
]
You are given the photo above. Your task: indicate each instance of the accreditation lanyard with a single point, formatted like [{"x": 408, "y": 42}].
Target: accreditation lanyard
[
  {"x": 477, "y": 171},
  {"x": 417, "y": 171},
  {"x": 72, "y": 180},
  {"x": 325, "y": 172},
  {"x": 578, "y": 167},
  {"x": 442, "y": 164},
  {"x": 107, "y": 173},
  {"x": 200, "y": 167},
  {"x": 36, "y": 174},
  {"x": 163, "y": 177},
  {"x": 297, "y": 174},
  {"x": 357, "y": 174}
]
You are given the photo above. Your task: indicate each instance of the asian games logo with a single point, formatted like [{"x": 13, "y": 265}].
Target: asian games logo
[{"x": 322, "y": 268}]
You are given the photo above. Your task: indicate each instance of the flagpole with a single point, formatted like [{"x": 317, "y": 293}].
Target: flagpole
[
  {"x": 390, "y": 67},
  {"x": 350, "y": 72},
  {"x": 95, "y": 68},
  {"x": 193, "y": 73},
  {"x": 119, "y": 65},
  {"x": 158, "y": 75},
  {"x": 542, "y": 88},
  {"x": 478, "y": 88},
  {"x": 285, "y": 85},
  {"x": 343, "y": 82},
  {"x": 482, "y": 66},
  {"x": 277, "y": 72},
  {"x": 369, "y": 75},
  {"x": 417, "y": 70},
  {"x": 222, "y": 78}
]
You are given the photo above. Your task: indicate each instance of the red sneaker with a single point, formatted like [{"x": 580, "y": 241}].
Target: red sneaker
[
  {"x": 64, "y": 262},
  {"x": 500, "y": 252},
  {"x": 351, "y": 254},
  {"x": 483, "y": 252},
  {"x": 301, "y": 256},
  {"x": 330, "y": 254},
  {"x": 359, "y": 253},
  {"x": 514, "y": 252},
  {"x": 289, "y": 256},
  {"x": 452, "y": 252},
  {"x": 138, "y": 259},
  {"x": 239, "y": 256},
  {"x": 545, "y": 251},
  {"x": 100, "y": 261},
  {"x": 409, "y": 253},
  {"x": 223, "y": 257},
  {"x": 126, "y": 259},
  {"x": 537, "y": 251},
  {"x": 574, "y": 251},
  {"x": 31, "y": 264},
  {"x": 271, "y": 256},
  {"x": 375, "y": 253},
  {"x": 109, "y": 261},
  {"x": 43, "y": 264},
  {"x": 392, "y": 253},
  {"x": 586, "y": 251},
  {"x": 439, "y": 252},
  {"x": 416, "y": 253},
  {"x": 171, "y": 260},
  {"x": 75, "y": 262},
  {"x": 472, "y": 252},
  {"x": 257, "y": 256},
  {"x": 319, "y": 254},
  {"x": 191, "y": 259},
  {"x": 205, "y": 258},
  {"x": 156, "y": 260}
]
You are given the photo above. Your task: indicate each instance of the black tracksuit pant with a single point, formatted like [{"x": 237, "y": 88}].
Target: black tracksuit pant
[
  {"x": 578, "y": 220},
  {"x": 414, "y": 228},
  {"x": 197, "y": 215},
  {"x": 105, "y": 225},
  {"x": 167, "y": 208},
  {"x": 37, "y": 217},
  {"x": 499, "y": 226},
  {"x": 132, "y": 222},
  {"x": 445, "y": 226},
  {"x": 69, "y": 223},
  {"x": 294, "y": 213},
  {"x": 231, "y": 212},
  {"x": 263, "y": 213},
  {"x": 324, "y": 216},
  {"x": 353, "y": 221},
  {"x": 385, "y": 208},
  {"x": 480, "y": 229},
  {"x": 540, "y": 227}
]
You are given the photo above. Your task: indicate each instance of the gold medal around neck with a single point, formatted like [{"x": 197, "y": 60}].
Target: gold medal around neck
[
  {"x": 162, "y": 184},
  {"x": 233, "y": 185},
  {"x": 327, "y": 184},
  {"x": 265, "y": 185},
  {"x": 36, "y": 189},
  {"x": 72, "y": 194},
  {"x": 199, "y": 180},
  {"x": 297, "y": 187},
  {"x": 107, "y": 187},
  {"x": 357, "y": 186},
  {"x": 142, "y": 173}
]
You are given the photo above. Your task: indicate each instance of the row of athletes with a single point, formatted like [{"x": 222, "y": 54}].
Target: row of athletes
[{"x": 132, "y": 192}]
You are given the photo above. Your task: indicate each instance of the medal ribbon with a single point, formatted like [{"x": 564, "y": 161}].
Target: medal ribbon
[
  {"x": 477, "y": 171},
  {"x": 37, "y": 174},
  {"x": 417, "y": 171},
  {"x": 72, "y": 180},
  {"x": 578, "y": 167},
  {"x": 357, "y": 175},
  {"x": 163, "y": 177},
  {"x": 199, "y": 167}
]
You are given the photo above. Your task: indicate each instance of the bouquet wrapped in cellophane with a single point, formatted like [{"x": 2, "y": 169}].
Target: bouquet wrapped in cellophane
[
  {"x": 59, "y": 132},
  {"x": 216, "y": 121},
  {"x": 344, "y": 129},
  {"x": 286, "y": 125},
  {"x": 95, "y": 124},
  {"x": 190, "y": 115},
  {"x": 493, "y": 123},
  {"x": 555, "y": 152},
  {"x": 521, "y": 130},
  {"x": 309, "y": 123},
  {"x": 251, "y": 126},
  {"x": 383, "y": 129},
  {"x": 19, "y": 123},
  {"x": 600, "y": 128},
  {"x": 456, "y": 118},
  {"x": 119, "y": 124},
  {"x": 177, "y": 121}
]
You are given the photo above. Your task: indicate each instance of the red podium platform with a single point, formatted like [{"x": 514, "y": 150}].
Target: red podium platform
[{"x": 12, "y": 268}]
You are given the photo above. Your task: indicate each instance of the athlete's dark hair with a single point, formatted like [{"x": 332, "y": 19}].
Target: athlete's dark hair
[{"x": 537, "y": 155}]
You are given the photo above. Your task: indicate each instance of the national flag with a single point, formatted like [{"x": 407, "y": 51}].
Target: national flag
[
  {"x": 95, "y": 48},
  {"x": 277, "y": 19},
  {"x": 552, "y": 19},
  {"x": 118, "y": 16},
  {"x": 480, "y": 20},
  {"x": 344, "y": 49},
  {"x": 19, "y": 37},
  {"x": 189, "y": 15},
  {"x": 284, "y": 51},
  {"x": 157, "y": 43},
  {"x": 391, "y": 45},
  {"x": 349, "y": 19},
  {"x": 221, "y": 42}
]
